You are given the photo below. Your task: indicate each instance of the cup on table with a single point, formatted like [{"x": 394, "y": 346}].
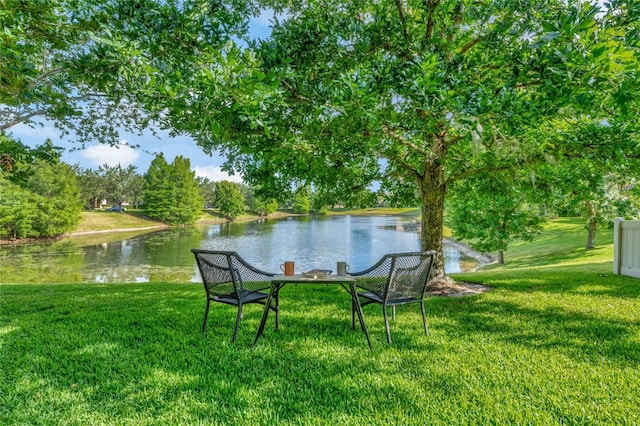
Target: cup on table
[
  {"x": 342, "y": 268},
  {"x": 287, "y": 268}
]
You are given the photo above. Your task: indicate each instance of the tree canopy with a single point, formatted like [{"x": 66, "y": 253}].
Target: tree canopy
[
  {"x": 229, "y": 199},
  {"x": 412, "y": 94}
]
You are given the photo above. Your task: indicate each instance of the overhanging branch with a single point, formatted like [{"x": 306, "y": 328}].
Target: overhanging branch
[
  {"x": 21, "y": 119},
  {"x": 398, "y": 138},
  {"x": 403, "y": 19},
  {"x": 294, "y": 92},
  {"x": 431, "y": 6}
]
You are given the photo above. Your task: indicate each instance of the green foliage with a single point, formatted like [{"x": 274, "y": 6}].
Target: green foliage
[
  {"x": 172, "y": 193},
  {"x": 18, "y": 210},
  {"x": 207, "y": 190},
  {"x": 47, "y": 61},
  {"x": 229, "y": 199},
  {"x": 263, "y": 207},
  {"x": 16, "y": 158},
  {"x": 302, "y": 201},
  {"x": 187, "y": 202},
  {"x": 116, "y": 185},
  {"x": 92, "y": 188},
  {"x": 592, "y": 168},
  {"x": 57, "y": 196},
  {"x": 492, "y": 210},
  {"x": 158, "y": 189},
  {"x": 40, "y": 195},
  {"x": 407, "y": 94},
  {"x": 403, "y": 93}
]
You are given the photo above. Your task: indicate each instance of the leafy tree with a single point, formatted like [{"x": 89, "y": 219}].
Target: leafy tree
[
  {"x": 48, "y": 62},
  {"x": 116, "y": 184},
  {"x": 158, "y": 189},
  {"x": 258, "y": 205},
  {"x": 120, "y": 182},
  {"x": 407, "y": 93},
  {"x": 207, "y": 190},
  {"x": 136, "y": 190},
  {"x": 56, "y": 192},
  {"x": 187, "y": 202},
  {"x": 18, "y": 210},
  {"x": 40, "y": 194},
  {"x": 171, "y": 192},
  {"x": 491, "y": 210},
  {"x": 264, "y": 207},
  {"x": 301, "y": 200},
  {"x": 17, "y": 158},
  {"x": 341, "y": 94},
  {"x": 592, "y": 161},
  {"x": 229, "y": 199},
  {"x": 92, "y": 188}
]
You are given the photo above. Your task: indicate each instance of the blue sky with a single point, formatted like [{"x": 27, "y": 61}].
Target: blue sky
[{"x": 98, "y": 154}]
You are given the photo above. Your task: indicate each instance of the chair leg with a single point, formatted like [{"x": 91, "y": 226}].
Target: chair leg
[
  {"x": 277, "y": 311},
  {"x": 238, "y": 318},
  {"x": 424, "y": 319},
  {"x": 386, "y": 323},
  {"x": 206, "y": 314},
  {"x": 353, "y": 314}
]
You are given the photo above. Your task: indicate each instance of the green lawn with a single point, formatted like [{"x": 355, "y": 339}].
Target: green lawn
[
  {"x": 101, "y": 221},
  {"x": 557, "y": 341}
]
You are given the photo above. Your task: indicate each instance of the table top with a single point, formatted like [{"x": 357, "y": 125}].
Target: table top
[{"x": 323, "y": 279}]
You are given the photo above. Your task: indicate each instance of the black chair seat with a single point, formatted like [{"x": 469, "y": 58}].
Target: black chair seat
[
  {"x": 229, "y": 279},
  {"x": 375, "y": 298},
  {"x": 396, "y": 279},
  {"x": 246, "y": 297}
]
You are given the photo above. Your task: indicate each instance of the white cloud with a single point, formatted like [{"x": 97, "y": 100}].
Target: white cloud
[
  {"x": 216, "y": 174},
  {"x": 98, "y": 155}
]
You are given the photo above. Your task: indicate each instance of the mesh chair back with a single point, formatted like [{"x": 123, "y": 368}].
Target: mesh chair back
[
  {"x": 398, "y": 275},
  {"x": 226, "y": 274},
  {"x": 375, "y": 279},
  {"x": 409, "y": 276}
]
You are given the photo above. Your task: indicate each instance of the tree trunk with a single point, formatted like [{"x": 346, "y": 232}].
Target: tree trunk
[
  {"x": 500, "y": 257},
  {"x": 432, "y": 193},
  {"x": 591, "y": 234}
]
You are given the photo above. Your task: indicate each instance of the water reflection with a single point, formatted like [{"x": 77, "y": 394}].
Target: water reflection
[{"x": 165, "y": 256}]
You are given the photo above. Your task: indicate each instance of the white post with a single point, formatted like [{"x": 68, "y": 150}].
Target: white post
[{"x": 617, "y": 244}]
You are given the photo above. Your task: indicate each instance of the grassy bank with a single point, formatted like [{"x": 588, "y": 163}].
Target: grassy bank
[
  {"x": 103, "y": 221},
  {"x": 557, "y": 341}
]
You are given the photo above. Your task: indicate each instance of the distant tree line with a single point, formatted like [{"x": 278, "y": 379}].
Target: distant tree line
[{"x": 42, "y": 197}]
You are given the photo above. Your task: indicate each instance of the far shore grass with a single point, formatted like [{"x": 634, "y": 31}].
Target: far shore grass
[
  {"x": 95, "y": 221},
  {"x": 555, "y": 342}
]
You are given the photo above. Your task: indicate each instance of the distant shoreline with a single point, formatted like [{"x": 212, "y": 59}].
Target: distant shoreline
[{"x": 463, "y": 248}]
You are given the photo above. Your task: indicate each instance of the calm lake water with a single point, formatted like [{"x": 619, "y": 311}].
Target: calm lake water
[{"x": 164, "y": 256}]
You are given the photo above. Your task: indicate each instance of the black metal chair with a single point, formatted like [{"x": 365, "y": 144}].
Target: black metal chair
[
  {"x": 396, "y": 279},
  {"x": 229, "y": 279}
]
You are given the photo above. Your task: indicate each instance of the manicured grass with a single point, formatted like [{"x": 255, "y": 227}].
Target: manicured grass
[
  {"x": 106, "y": 221},
  {"x": 562, "y": 243},
  {"x": 557, "y": 341}
]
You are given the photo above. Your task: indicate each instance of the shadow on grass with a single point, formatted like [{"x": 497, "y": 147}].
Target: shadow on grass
[{"x": 134, "y": 354}]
